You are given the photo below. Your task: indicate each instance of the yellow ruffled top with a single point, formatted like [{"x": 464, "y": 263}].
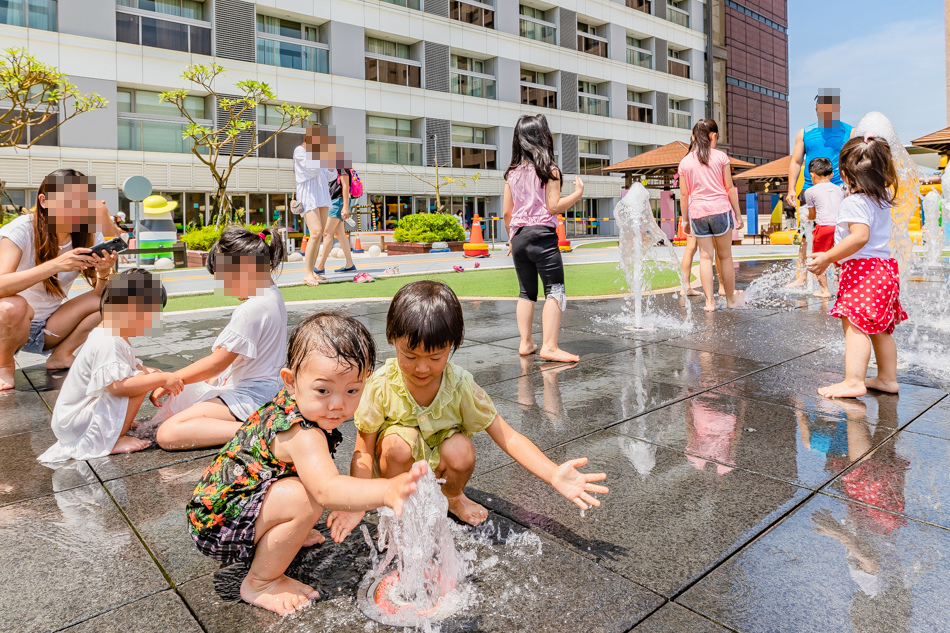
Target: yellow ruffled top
[{"x": 460, "y": 406}]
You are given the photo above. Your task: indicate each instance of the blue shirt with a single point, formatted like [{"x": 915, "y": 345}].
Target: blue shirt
[{"x": 825, "y": 142}]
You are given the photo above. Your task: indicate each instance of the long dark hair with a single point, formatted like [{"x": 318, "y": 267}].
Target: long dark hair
[
  {"x": 701, "y": 141},
  {"x": 238, "y": 241},
  {"x": 867, "y": 167},
  {"x": 534, "y": 143},
  {"x": 45, "y": 242}
]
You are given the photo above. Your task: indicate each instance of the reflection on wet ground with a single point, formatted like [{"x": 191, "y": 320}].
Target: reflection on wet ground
[{"x": 740, "y": 500}]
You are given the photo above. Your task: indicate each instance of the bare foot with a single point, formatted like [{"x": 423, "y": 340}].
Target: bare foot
[
  {"x": 467, "y": 510},
  {"x": 824, "y": 294},
  {"x": 126, "y": 444},
  {"x": 843, "y": 389},
  {"x": 282, "y": 595},
  {"x": 315, "y": 538},
  {"x": 798, "y": 283},
  {"x": 690, "y": 292},
  {"x": 311, "y": 280},
  {"x": 558, "y": 355},
  {"x": 710, "y": 307},
  {"x": 737, "y": 300},
  {"x": 887, "y": 386},
  {"x": 64, "y": 361},
  {"x": 527, "y": 350},
  {"x": 6, "y": 377}
]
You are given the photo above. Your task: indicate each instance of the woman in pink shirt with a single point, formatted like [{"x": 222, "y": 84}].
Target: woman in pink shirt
[
  {"x": 711, "y": 203},
  {"x": 531, "y": 206}
]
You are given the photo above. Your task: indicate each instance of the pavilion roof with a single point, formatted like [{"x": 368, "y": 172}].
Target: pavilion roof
[
  {"x": 939, "y": 140},
  {"x": 777, "y": 169},
  {"x": 662, "y": 159}
]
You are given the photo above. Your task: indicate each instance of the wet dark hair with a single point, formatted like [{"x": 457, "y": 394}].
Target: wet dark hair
[
  {"x": 238, "y": 241},
  {"x": 534, "y": 143},
  {"x": 701, "y": 141},
  {"x": 332, "y": 335},
  {"x": 867, "y": 167},
  {"x": 136, "y": 283},
  {"x": 821, "y": 166},
  {"x": 427, "y": 314}
]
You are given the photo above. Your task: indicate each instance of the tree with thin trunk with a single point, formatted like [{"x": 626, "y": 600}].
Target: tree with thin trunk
[
  {"x": 440, "y": 182},
  {"x": 34, "y": 94},
  {"x": 220, "y": 146}
]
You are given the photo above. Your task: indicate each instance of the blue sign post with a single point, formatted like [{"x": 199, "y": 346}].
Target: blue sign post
[{"x": 752, "y": 213}]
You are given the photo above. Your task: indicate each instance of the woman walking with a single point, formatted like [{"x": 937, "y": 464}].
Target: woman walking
[
  {"x": 711, "y": 203},
  {"x": 313, "y": 192},
  {"x": 531, "y": 206},
  {"x": 339, "y": 213}
]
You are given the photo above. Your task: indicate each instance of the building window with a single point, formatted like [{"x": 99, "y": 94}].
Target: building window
[
  {"x": 269, "y": 120},
  {"x": 391, "y": 63},
  {"x": 469, "y": 78},
  {"x": 33, "y": 14},
  {"x": 409, "y": 4},
  {"x": 589, "y": 42},
  {"x": 639, "y": 53},
  {"x": 679, "y": 115},
  {"x": 638, "y": 107},
  {"x": 592, "y": 162},
  {"x": 534, "y": 92},
  {"x": 147, "y": 124},
  {"x": 281, "y": 43},
  {"x": 390, "y": 140},
  {"x": 748, "y": 85},
  {"x": 32, "y": 134},
  {"x": 636, "y": 150},
  {"x": 473, "y": 12},
  {"x": 756, "y": 16},
  {"x": 677, "y": 64},
  {"x": 677, "y": 12},
  {"x": 640, "y": 5},
  {"x": 470, "y": 149},
  {"x": 535, "y": 25},
  {"x": 182, "y": 26},
  {"x": 589, "y": 102}
]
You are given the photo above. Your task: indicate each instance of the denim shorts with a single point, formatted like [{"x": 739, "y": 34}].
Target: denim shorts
[
  {"x": 37, "y": 340},
  {"x": 336, "y": 209},
  {"x": 711, "y": 225}
]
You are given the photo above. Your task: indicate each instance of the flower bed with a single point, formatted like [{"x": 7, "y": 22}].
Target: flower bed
[{"x": 418, "y": 248}]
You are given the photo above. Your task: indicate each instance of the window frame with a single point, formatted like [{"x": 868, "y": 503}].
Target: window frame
[
  {"x": 165, "y": 17},
  {"x": 52, "y": 16},
  {"x": 471, "y": 73},
  {"x": 389, "y": 58},
  {"x": 159, "y": 118},
  {"x": 539, "y": 22}
]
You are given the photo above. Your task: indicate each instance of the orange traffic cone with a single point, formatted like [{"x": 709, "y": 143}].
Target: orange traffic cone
[
  {"x": 562, "y": 242},
  {"x": 303, "y": 246},
  {"x": 357, "y": 248},
  {"x": 680, "y": 238},
  {"x": 476, "y": 246}
]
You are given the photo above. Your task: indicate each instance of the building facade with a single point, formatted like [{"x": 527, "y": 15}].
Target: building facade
[{"x": 404, "y": 83}]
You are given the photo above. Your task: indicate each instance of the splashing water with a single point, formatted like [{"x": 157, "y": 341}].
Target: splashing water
[
  {"x": 933, "y": 235},
  {"x": 416, "y": 582},
  {"x": 639, "y": 236}
]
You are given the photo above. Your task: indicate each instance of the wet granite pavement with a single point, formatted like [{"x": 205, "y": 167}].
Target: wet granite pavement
[{"x": 740, "y": 500}]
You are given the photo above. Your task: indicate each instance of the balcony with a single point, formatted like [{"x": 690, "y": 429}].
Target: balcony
[
  {"x": 678, "y": 68},
  {"x": 596, "y": 106},
  {"x": 640, "y": 57},
  {"x": 639, "y": 113},
  {"x": 593, "y": 165},
  {"x": 681, "y": 120},
  {"x": 538, "y": 31},
  {"x": 640, "y": 5},
  {"x": 592, "y": 44},
  {"x": 473, "y": 13},
  {"x": 538, "y": 96},
  {"x": 677, "y": 15},
  {"x": 292, "y": 55},
  {"x": 388, "y": 71},
  {"x": 473, "y": 85}
]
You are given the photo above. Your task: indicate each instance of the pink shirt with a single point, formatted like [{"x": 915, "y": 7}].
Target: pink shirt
[
  {"x": 705, "y": 183},
  {"x": 530, "y": 208}
]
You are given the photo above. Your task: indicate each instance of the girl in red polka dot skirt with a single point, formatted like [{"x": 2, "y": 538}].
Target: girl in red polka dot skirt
[{"x": 868, "y": 301}]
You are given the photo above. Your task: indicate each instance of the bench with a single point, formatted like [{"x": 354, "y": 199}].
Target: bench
[{"x": 179, "y": 254}]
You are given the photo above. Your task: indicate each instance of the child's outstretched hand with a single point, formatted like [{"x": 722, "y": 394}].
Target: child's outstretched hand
[
  {"x": 341, "y": 523},
  {"x": 818, "y": 263},
  {"x": 576, "y": 486},
  {"x": 401, "y": 486}
]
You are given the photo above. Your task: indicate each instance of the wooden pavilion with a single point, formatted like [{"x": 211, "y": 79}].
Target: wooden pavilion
[{"x": 938, "y": 141}]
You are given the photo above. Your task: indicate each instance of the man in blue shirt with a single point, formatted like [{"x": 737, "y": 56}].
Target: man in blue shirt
[{"x": 824, "y": 139}]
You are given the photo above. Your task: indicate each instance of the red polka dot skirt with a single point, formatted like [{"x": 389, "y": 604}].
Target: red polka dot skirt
[{"x": 869, "y": 295}]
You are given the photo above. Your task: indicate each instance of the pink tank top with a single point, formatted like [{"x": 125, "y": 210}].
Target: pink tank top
[{"x": 528, "y": 194}]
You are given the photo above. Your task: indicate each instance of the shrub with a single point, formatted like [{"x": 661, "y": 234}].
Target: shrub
[
  {"x": 204, "y": 238},
  {"x": 429, "y": 227}
]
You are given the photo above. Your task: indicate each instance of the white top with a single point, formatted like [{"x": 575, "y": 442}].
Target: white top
[
  {"x": 87, "y": 419},
  {"x": 20, "y": 232},
  {"x": 258, "y": 332},
  {"x": 858, "y": 208},
  {"x": 824, "y": 198},
  {"x": 313, "y": 180}
]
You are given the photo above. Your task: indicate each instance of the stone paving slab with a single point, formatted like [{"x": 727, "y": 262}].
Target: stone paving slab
[
  {"x": 22, "y": 411},
  {"x": 934, "y": 421},
  {"x": 585, "y": 344},
  {"x": 22, "y": 477},
  {"x": 159, "y": 613},
  {"x": 667, "y": 520},
  {"x": 673, "y": 618},
  {"x": 516, "y": 588},
  {"x": 833, "y": 566},
  {"x": 68, "y": 557}
]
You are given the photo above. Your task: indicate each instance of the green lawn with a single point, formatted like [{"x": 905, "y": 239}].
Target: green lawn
[
  {"x": 581, "y": 280},
  {"x": 598, "y": 245}
]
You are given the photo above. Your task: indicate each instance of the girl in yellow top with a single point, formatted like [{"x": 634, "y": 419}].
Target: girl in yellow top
[{"x": 421, "y": 406}]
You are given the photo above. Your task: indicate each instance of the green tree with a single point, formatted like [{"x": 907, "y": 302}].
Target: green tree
[
  {"x": 33, "y": 93},
  {"x": 217, "y": 145}
]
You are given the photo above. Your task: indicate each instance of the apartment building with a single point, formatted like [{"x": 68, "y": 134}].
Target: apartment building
[{"x": 404, "y": 83}]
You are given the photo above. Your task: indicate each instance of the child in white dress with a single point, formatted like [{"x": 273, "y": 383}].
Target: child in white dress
[
  {"x": 243, "y": 371},
  {"x": 107, "y": 383}
]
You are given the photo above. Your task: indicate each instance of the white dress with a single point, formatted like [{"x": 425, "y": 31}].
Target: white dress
[
  {"x": 87, "y": 419},
  {"x": 313, "y": 180},
  {"x": 257, "y": 332}
]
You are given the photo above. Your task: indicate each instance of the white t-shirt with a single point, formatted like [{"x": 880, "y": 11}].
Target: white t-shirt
[
  {"x": 258, "y": 332},
  {"x": 87, "y": 419},
  {"x": 858, "y": 208},
  {"x": 20, "y": 232},
  {"x": 313, "y": 180},
  {"x": 824, "y": 198}
]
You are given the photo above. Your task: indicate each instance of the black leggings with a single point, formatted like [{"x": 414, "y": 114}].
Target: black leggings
[{"x": 535, "y": 252}]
